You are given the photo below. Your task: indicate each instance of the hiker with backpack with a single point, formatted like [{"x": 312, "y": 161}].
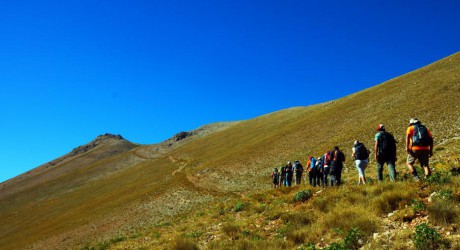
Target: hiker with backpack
[
  {"x": 337, "y": 160},
  {"x": 419, "y": 145},
  {"x": 311, "y": 171},
  {"x": 361, "y": 156},
  {"x": 283, "y": 176},
  {"x": 298, "y": 169},
  {"x": 326, "y": 160},
  {"x": 275, "y": 177},
  {"x": 319, "y": 172},
  {"x": 289, "y": 174},
  {"x": 385, "y": 152}
]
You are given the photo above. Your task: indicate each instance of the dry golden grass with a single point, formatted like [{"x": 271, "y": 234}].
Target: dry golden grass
[{"x": 82, "y": 202}]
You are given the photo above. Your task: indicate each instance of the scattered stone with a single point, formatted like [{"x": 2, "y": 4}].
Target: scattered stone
[{"x": 376, "y": 236}]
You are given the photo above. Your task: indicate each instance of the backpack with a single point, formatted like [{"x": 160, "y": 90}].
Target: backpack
[
  {"x": 338, "y": 156},
  {"x": 275, "y": 175},
  {"x": 326, "y": 160},
  {"x": 361, "y": 152},
  {"x": 421, "y": 136},
  {"x": 298, "y": 168},
  {"x": 387, "y": 145},
  {"x": 318, "y": 166}
]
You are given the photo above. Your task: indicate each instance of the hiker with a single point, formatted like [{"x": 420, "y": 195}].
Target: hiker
[
  {"x": 275, "y": 176},
  {"x": 338, "y": 158},
  {"x": 289, "y": 174},
  {"x": 361, "y": 156},
  {"x": 419, "y": 145},
  {"x": 311, "y": 171},
  {"x": 298, "y": 168},
  {"x": 319, "y": 172},
  {"x": 385, "y": 152},
  {"x": 283, "y": 176},
  {"x": 326, "y": 159}
]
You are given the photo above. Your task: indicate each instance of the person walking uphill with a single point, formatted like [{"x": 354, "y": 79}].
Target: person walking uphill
[
  {"x": 289, "y": 174},
  {"x": 338, "y": 158},
  {"x": 419, "y": 145},
  {"x": 361, "y": 156},
  {"x": 311, "y": 171},
  {"x": 298, "y": 169},
  {"x": 385, "y": 152},
  {"x": 283, "y": 176},
  {"x": 275, "y": 177}
]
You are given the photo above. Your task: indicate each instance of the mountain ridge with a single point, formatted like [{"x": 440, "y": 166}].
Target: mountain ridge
[{"x": 144, "y": 185}]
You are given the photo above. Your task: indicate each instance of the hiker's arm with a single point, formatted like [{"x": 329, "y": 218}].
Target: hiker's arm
[{"x": 408, "y": 149}]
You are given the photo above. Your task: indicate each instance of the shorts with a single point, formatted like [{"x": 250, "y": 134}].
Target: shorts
[
  {"x": 423, "y": 157},
  {"x": 361, "y": 166}
]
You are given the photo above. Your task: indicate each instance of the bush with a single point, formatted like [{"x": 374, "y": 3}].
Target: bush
[
  {"x": 354, "y": 239},
  {"x": 239, "y": 207},
  {"x": 426, "y": 237},
  {"x": 417, "y": 205},
  {"x": 302, "y": 196}
]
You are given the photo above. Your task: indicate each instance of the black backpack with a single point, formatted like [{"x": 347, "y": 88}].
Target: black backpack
[
  {"x": 421, "y": 136},
  {"x": 319, "y": 165},
  {"x": 361, "y": 152},
  {"x": 387, "y": 145},
  {"x": 338, "y": 156}
]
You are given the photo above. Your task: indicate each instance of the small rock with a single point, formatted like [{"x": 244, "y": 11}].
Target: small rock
[
  {"x": 376, "y": 236},
  {"x": 390, "y": 214}
]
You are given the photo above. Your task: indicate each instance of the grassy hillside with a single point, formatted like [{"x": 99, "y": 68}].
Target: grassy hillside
[{"x": 190, "y": 192}]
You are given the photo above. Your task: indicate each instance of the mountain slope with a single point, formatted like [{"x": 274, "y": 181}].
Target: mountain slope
[{"x": 103, "y": 192}]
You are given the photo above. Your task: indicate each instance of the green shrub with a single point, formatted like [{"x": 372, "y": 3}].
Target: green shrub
[
  {"x": 426, "y": 238},
  {"x": 239, "y": 207},
  {"x": 439, "y": 177},
  {"x": 417, "y": 205},
  {"x": 302, "y": 196},
  {"x": 354, "y": 239}
]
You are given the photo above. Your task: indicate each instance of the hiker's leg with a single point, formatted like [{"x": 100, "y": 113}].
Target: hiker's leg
[
  {"x": 410, "y": 165},
  {"x": 392, "y": 170},
  {"x": 379, "y": 170},
  {"x": 424, "y": 158}
]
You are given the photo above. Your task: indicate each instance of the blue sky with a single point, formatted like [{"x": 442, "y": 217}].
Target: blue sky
[{"x": 71, "y": 70}]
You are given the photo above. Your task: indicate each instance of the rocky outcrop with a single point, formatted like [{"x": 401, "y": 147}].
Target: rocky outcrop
[{"x": 101, "y": 139}]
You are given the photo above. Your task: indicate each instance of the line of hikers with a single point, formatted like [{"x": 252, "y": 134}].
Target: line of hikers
[{"x": 419, "y": 146}]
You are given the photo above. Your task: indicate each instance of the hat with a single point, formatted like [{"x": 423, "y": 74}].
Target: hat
[
  {"x": 356, "y": 142},
  {"x": 381, "y": 127},
  {"x": 414, "y": 121}
]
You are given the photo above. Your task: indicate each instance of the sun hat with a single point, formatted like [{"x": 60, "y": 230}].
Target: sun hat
[{"x": 413, "y": 121}]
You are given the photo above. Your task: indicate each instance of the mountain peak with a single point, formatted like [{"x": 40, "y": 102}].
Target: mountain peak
[{"x": 101, "y": 139}]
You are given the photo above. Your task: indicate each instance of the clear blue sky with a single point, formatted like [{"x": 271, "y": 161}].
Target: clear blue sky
[{"x": 71, "y": 70}]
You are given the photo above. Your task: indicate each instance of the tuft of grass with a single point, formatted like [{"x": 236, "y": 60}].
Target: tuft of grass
[
  {"x": 184, "y": 244},
  {"x": 443, "y": 212},
  {"x": 231, "y": 230}
]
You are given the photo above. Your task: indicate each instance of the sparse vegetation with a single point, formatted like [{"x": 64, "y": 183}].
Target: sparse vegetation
[
  {"x": 427, "y": 238},
  {"x": 214, "y": 192}
]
